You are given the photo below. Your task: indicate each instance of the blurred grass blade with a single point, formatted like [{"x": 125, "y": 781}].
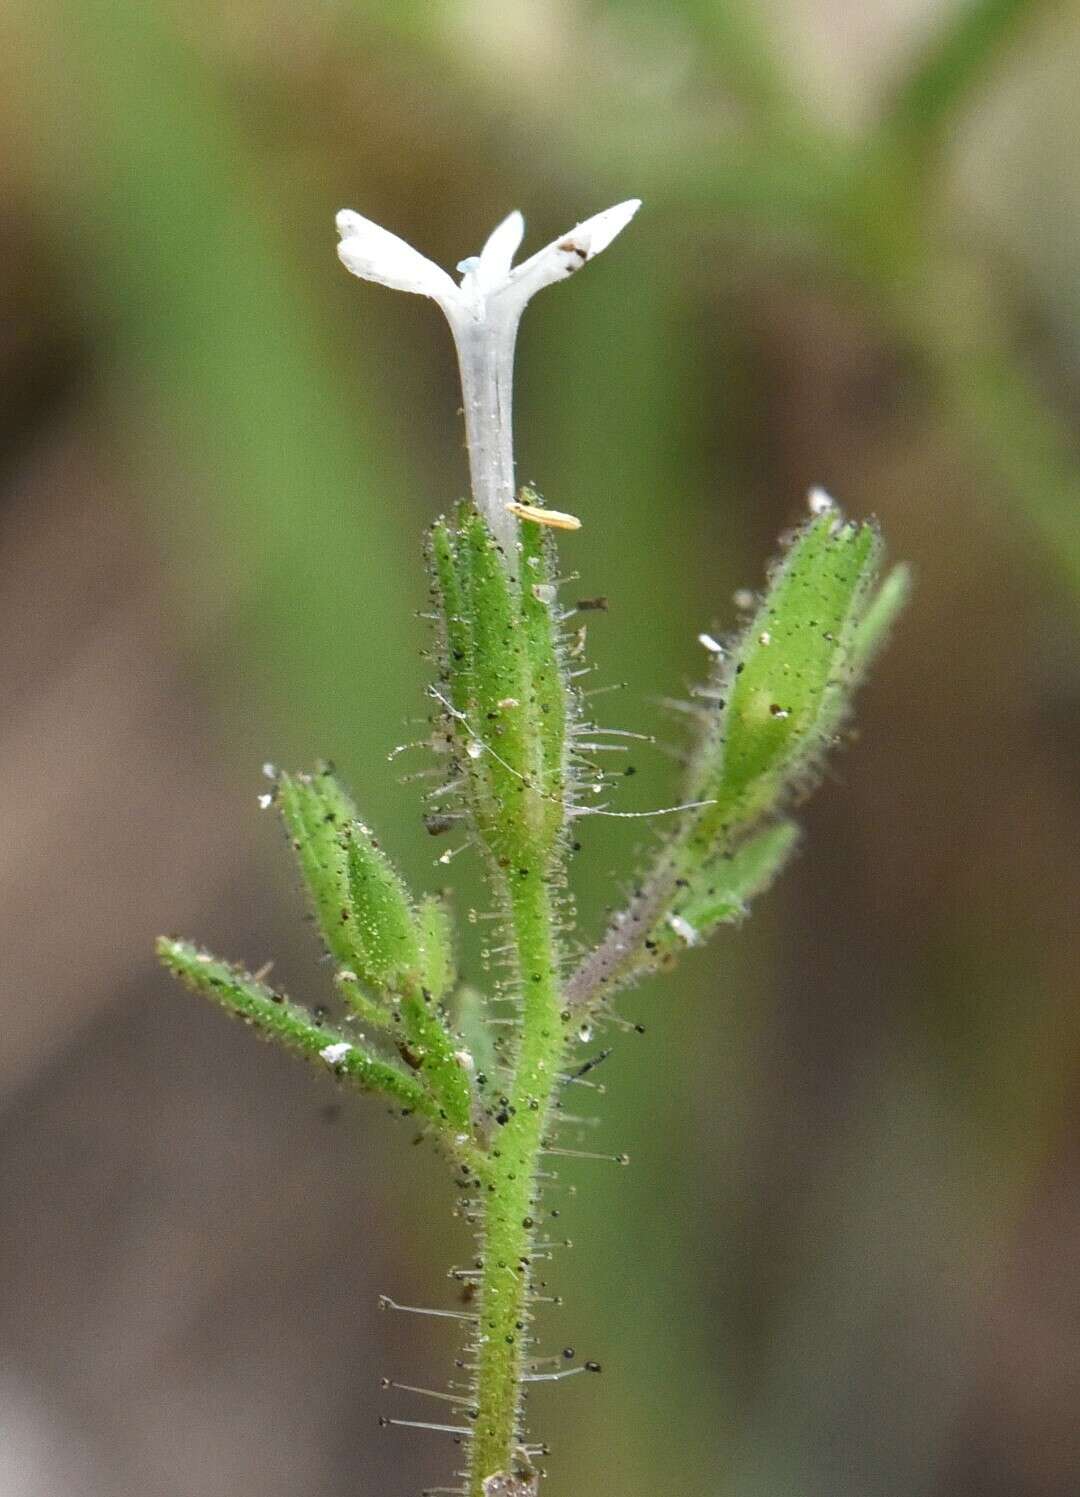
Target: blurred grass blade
[
  {"x": 182, "y": 258},
  {"x": 741, "y": 53},
  {"x": 967, "y": 46}
]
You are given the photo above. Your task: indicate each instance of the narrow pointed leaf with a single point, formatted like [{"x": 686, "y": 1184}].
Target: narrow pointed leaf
[
  {"x": 435, "y": 929},
  {"x": 316, "y": 809},
  {"x": 276, "y": 1018},
  {"x": 549, "y": 692},
  {"x": 451, "y": 593},
  {"x": 875, "y": 626},
  {"x": 363, "y": 1004},
  {"x": 498, "y": 664},
  {"x": 471, "y": 1019},
  {"x": 383, "y": 933},
  {"x": 722, "y": 892},
  {"x": 428, "y": 1045}
]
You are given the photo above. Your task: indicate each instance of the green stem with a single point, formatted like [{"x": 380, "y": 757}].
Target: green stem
[{"x": 511, "y": 1208}]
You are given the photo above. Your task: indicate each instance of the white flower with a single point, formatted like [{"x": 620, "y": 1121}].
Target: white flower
[{"x": 483, "y": 312}]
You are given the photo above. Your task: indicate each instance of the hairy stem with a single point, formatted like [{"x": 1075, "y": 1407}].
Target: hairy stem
[
  {"x": 621, "y": 948},
  {"x": 511, "y": 1209}
]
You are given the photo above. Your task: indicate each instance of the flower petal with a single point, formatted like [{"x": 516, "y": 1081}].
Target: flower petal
[
  {"x": 377, "y": 255},
  {"x": 570, "y": 252},
  {"x": 498, "y": 253},
  {"x": 598, "y": 232}
]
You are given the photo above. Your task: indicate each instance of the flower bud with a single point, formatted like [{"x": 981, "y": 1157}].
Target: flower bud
[
  {"x": 782, "y": 689},
  {"x": 360, "y": 902}
]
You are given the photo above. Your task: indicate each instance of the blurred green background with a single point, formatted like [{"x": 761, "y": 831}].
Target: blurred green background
[{"x": 846, "y": 1258}]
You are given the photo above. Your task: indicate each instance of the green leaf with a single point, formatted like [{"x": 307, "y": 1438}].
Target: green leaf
[
  {"x": 370, "y": 926},
  {"x": 372, "y": 1010},
  {"x": 276, "y": 1018},
  {"x": 471, "y": 1017},
  {"x": 499, "y": 678},
  {"x": 430, "y": 1048},
  {"x": 361, "y": 904},
  {"x": 388, "y": 954},
  {"x": 451, "y": 593},
  {"x": 720, "y": 894},
  {"x": 875, "y": 625},
  {"x": 383, "y": 930},
  {"x": 778, "y": 696},
  {"x": 316, "y": 809},
  {"x": 550, "y": 693},
  {"x": 435, "y": 929}
]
